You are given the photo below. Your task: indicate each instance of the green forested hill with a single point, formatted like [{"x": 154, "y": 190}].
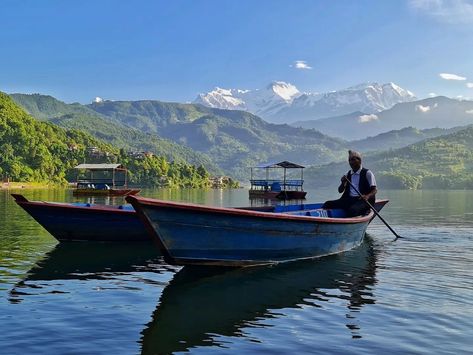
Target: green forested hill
[
  {"x": 235, "y": 140},
  {"x": 38, "y": 151},
  {"x": 399, "y": 138},
  {"x": 131, "y": 139},
  {"x": 149, "y": 115},
  {"x": 45, "y": 107},
  {"x": 81, "y": 117},
  {"x": 34, "y": 151},
  {"x": 441, "y": 162}
]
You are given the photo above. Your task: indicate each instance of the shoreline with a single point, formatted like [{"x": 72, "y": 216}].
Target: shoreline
[{"x": 24, "y": 185}]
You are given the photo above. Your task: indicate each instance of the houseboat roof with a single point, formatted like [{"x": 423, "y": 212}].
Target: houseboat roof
[
  {"x": 100, "y": 166},
  {"x": 284, "y": 164}
]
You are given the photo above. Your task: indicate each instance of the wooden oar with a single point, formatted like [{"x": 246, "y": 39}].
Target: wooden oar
[{"x": 374, "y": 210}]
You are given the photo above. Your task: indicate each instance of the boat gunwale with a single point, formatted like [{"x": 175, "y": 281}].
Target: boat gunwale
[
  {"x": 65, "y": 205},
  {"x": 134, "y": 200}
]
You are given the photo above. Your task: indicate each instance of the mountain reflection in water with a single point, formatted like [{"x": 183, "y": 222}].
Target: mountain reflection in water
[{"x": 201, "y": 302}]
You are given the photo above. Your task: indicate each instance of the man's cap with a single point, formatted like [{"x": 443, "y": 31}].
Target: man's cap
[{"x": 354, "y": 154}]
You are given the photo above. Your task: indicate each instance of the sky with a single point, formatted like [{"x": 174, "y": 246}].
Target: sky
[{"x": 174, "y": 50}]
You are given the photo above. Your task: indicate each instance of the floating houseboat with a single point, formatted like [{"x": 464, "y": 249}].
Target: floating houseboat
[
  {"x": 274, "y": 181},
  {"x": 102, "y": 179}
]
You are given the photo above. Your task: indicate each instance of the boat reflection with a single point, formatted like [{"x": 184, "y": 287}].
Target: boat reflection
[
  {"x": 89, "y": 261},
  {"x": 202, "y": 303},
  {"x": 258, "y": 202}
]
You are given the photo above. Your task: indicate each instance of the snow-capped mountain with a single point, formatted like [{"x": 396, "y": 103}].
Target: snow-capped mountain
[
  {"x": 281, "y": 102},
  {"x": 262, "y": 102}
]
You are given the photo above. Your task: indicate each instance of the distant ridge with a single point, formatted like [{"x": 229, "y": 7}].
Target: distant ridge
[{"x": 436, "y": 112}]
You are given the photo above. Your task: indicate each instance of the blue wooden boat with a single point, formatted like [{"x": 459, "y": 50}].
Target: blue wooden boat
[
  {"x": 196, "y": 234},
  {"x": 84, "y": 221}
]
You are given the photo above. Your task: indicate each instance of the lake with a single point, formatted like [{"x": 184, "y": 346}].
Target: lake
[{"x": 412, "y": 296}]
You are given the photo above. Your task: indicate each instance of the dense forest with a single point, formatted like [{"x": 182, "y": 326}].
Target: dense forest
[
  {"x": 34, "y": 151},
  {"x": 83, "y": 118}
]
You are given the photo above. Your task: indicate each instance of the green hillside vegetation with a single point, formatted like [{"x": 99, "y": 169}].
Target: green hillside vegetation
[
  {"x": 236, "y": 140},
  {"x": 444, "y": 162},
  {"x": 45, "y": 107},
  {"x": 38, "y": 151},
  {"x": 132, "y": 140},
  {"x": 81, "y": 117},
  {"x": 231, "y": 141},
  {"x": 34, "y": 151},
  {"x": 149, "y": 115},
  {"x": 399, "y": 138}
]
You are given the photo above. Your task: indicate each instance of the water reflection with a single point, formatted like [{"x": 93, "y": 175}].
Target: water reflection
[
  {"x": 89, "y": 261},
  {"x": 199, "y": 303}
]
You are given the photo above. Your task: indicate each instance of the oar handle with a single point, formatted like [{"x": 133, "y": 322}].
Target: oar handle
[{"x": 373, "y": 209}]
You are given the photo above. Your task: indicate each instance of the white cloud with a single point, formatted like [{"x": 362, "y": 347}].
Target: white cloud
[
  {"x": 448, "y": 11},
  {"x": 470, "y": 112},
  {"x": 98, "y": 99},
  {"x": 432, "y": 94},
  {"x": 367, "y": 118},
  {"x": 451, "y": 76},
  {"x": 420, "y": 108},
  {"x": 300, "y": 64},
  {"x": 469, "y": 85}
]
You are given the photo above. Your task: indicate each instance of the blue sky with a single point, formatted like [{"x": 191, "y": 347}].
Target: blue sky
[{"x": 173, "y": 50}]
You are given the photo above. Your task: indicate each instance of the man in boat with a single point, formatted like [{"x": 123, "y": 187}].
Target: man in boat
[{"x": 364, "y": 180}]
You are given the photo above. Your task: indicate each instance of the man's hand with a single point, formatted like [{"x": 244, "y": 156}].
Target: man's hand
[{"x": 343, "y": 184}]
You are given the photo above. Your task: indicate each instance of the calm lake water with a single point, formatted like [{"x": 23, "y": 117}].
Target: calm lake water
[{"x": 412, "y": 296}]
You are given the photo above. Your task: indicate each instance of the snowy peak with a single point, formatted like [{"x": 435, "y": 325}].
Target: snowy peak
[
  {"x": 282, "y": 102},
  {"x": 222, "y": 98},
  {"x": 285, "y": 91}
]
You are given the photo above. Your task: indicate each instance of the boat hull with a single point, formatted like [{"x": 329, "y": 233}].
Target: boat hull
[
  {"x": 193, "y": 234},
  {"x": 67, "y": 222}
]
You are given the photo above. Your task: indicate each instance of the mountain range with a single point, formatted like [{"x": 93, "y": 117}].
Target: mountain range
[
  {"x": 436, "y": 112},
  {"x": 282, "y": 102},
  {"x": 233, "y": 140},
  {"x": 221, "y": 140}
]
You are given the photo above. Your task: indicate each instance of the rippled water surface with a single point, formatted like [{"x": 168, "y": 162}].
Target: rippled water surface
[{"x": 414, "y": 295}]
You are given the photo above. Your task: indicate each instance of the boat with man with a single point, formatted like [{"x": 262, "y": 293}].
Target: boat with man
[{"x": 190, "y": 234}]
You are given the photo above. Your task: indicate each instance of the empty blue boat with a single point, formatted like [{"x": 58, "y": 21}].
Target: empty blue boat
[{"x": 85, "y": 221}]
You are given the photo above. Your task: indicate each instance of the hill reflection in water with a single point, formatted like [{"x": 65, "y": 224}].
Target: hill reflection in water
[
  {"x": 88, "y": 261},
  {"x": 201, "y": 302}
]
